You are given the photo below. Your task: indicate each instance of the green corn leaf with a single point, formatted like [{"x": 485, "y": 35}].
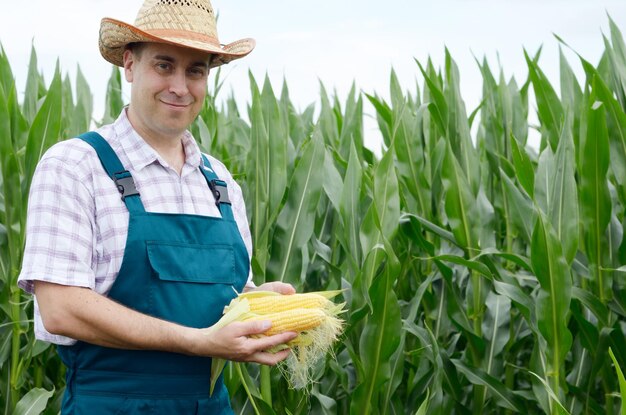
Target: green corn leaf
[
  {"x": 618, "y": 342},
  {"x": 457, "y": 311},
  {"x": 327, "y": 121},
  {"x": 34, "y": 402},
  {"x": 6, "y": 75},
  {"x": 276, "y": 169},
  {"x": 333, "y": 182},
  {"x": 556, "y": 192},
  {"x": 380, "y": 223},
  {"x": 549, "y": 108},
  {"x": 523, "y": 301},
  {"x": 622, "y": 382},
  {"x": 458, "y": 203},
  {"x": 518, "y": 260},
  {"x": 588, "y": 334},
  {"x": 45, "y": 128},
  {"x": 352, "y": 124},
  {"x": 616, "y": 127},
  {"x": 523, "y": 167},
  {"x": 503, "y": 395},
  {"x": 572, "y": 97},
  {"x": 471, "y": 264},
  {"x": 495, "y": 328},
  {"x": 296, "y": 220},
  {"x": 423, "y": 409},
  {"x": 616, "y": 57},
  {"x": 383, "y": 116},
  {"x": 410, "y": 157},
  {"x": 552, "y": 302},
  {"x": 395, "y": 92},
  {"x": 438, "y": 108},
  {"x": 435, "y": 229},
  {"x": 593, "y": 303},
  {"x": 379, "y": 340},
  {"x": 114, "y": 102},
  {"x": 617, "y": 40},
  {"x": 11, "y": 181},
  {"x": 257, "y": 183},
  {"x": 349, "y": 207},
  {"x": 458, "y": 132},
  {"x": 383, "y": 216},
  {"x": 67, "y": 100},
  {"x": 81, "y": 120},
  {"x": 559, "y": 408},
  {"x": 594, "y": 194},
  {"x": 31, "y": 93}
]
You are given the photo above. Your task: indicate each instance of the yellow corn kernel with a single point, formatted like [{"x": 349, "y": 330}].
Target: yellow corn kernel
[
  {"x": 278, "y": 303},
  {"x": 297, "y": 319}
]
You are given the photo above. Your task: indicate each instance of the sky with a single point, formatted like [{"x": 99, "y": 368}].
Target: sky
[{"x": 338, "y": 42}]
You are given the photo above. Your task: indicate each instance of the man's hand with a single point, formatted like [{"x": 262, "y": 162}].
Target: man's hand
[
  {"x": 233, "y": 342},
  {"x": 276, "y": 286}
]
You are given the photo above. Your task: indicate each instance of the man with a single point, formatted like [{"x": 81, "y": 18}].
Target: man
[{"x": 136, "y": 241}]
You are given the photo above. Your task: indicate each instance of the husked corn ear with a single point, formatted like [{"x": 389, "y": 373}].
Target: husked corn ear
[
  {"x": 298, "y": 320},
  {"x": 312, "y": 315},
  {"x": 278, "y": 303}
]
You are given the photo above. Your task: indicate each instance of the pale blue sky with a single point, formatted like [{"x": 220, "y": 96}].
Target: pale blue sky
[{"x": 337, "y": 42}]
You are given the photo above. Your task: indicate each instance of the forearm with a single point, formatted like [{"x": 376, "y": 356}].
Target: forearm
[{"x": 83, "y": 314}]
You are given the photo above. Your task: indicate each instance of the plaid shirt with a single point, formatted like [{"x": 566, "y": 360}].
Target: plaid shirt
[{"x": 77, "y": 223}]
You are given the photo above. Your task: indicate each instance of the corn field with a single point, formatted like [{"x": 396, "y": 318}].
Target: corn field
[{"x": 481, "y": 275}]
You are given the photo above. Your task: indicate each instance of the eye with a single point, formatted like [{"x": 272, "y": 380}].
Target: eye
[
  {"x": 196, "y": 72},
  {"x": 163, "y": 66}
]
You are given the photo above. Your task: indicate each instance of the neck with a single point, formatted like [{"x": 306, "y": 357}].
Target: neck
[{"x": 169, "y": 147}]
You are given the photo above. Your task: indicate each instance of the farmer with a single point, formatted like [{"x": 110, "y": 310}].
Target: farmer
[{"x": 136, "y": 240}]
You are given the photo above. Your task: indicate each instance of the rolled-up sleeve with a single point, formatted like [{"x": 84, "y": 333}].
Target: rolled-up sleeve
[{"x": 59, "y": 227}]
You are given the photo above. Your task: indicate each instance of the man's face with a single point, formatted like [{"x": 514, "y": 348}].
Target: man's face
[{"x": 168, "y": 86}]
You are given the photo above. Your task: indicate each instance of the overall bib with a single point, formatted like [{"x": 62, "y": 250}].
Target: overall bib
[{"x": 177, "y": 267}]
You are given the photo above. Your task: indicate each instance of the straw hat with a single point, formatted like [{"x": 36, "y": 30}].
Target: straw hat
[{"x": 187, "y": 23}]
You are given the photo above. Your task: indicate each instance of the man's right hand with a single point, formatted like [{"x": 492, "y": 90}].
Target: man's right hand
[{"x": 233, "y": 342}]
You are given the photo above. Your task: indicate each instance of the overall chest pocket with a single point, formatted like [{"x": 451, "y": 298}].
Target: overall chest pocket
[
  {"x": 174, "y": 261},
  {"x": 190, "y": 283}
]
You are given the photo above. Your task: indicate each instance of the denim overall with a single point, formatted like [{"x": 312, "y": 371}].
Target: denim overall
[{"x": 177, "y": 267}]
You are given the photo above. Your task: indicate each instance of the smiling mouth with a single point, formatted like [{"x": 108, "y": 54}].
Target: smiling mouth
[{"x": 175, "y": 105}]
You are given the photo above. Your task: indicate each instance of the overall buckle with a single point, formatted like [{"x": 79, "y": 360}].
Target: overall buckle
[
  {"x": 220, "y": 191},
  {"x": 125, "y": 184}
]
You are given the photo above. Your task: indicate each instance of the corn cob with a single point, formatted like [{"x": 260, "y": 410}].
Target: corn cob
[
  {"x": 312, "y": 315},
  {"x": 276, "y": 304},
  {"x": 295, "y": 319}
]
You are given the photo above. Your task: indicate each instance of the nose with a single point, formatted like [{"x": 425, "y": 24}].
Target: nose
[{"x": 178, "y": 84}]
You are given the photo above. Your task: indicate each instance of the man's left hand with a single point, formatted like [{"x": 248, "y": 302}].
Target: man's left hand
[{"x": 276, "y": 286}]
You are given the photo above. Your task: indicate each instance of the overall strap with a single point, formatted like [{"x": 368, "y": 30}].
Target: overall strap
[
  {"x": 116, "y": 171},
  {"x": 218, "y": 188}
]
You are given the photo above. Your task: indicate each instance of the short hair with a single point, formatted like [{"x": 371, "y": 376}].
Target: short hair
[{"x": 136, "y": 48}]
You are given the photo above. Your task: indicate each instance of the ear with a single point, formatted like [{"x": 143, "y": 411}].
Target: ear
[{"x": 129, "y": 60}]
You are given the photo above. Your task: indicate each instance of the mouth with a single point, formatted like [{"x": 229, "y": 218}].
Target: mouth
[{"x": 176, "y": 106}]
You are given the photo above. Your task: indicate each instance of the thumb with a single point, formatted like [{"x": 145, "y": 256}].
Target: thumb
[
  {"x": 281, "y": 287},
  {"x": 258, "y": 327}
]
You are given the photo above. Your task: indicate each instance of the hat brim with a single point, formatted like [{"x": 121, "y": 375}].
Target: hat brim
[{"x": 115, "y": 35}]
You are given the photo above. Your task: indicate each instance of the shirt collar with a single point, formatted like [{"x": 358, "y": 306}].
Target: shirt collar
[{"x": 140, "y": 154}]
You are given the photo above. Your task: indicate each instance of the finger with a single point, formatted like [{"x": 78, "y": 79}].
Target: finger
[
  {"x": 267, "y": 342},
  {"x": 246, "y": 328},
  {"x": 280, "y": 287},
  {"x": 270, "y": 359}
]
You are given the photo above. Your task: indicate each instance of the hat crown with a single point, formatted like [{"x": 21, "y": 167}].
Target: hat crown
[{"x": 182, "y": 15}]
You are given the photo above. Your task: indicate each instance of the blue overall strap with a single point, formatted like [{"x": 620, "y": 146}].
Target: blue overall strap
[
  {"x": 218, "y": 188},
  {"x": 116, "y": 171}
]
